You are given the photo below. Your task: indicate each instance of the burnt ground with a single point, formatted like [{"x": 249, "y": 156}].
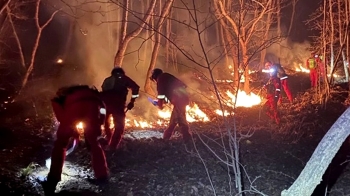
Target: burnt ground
[{"x": 272, "y": 156}]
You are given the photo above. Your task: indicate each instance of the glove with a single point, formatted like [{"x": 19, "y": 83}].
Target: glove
[
  {"x": 130, "y": 105},
  {"x": 155, "y": 102}
]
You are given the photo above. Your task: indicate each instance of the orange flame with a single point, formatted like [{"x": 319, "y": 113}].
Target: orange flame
[
  {"x": 243, "y": 100},
  {"x": 301, "y": 69}
]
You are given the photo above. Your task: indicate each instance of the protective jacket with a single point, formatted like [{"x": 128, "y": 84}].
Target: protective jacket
[
  {"x": 171, "y": 89},
  {"x": 278, "y": 71},
  {"x": 114, "y": 93},
  {"x": 119, "y": 84}
]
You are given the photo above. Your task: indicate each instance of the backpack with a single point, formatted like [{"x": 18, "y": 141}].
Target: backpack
[{"x": 312, "y": 63}]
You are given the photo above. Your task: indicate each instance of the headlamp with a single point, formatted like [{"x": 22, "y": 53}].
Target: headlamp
[{"x": 103, "y": 111}]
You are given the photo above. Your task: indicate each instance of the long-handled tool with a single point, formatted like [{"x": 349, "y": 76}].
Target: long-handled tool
[
  {"x": 70, "y": 150},
  {"x": 154, "y": 102}
]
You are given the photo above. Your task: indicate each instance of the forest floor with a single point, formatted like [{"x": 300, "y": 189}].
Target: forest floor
[{"x": 272, "y": 156}]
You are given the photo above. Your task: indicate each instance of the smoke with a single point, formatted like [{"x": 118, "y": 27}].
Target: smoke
[{"x": 291, "y": 54}]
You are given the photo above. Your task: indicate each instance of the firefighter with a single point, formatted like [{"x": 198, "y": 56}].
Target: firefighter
[
  {"x": 321, "y": 67},
  {"x": 72, "y": 105},
  {"x": 171, "y": 89},
  {"x": 277, "y": 69},
  {"x": 114, "y": 94},
  {"x": 311, "y": 64},
  {"x": 273, "y": 90}
]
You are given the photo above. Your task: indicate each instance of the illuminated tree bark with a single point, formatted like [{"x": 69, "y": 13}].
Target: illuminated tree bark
[
  {"x": 312, "y": 173},
  {"x": 165, "y": 11},
  {"x": 126, "y": 38}
]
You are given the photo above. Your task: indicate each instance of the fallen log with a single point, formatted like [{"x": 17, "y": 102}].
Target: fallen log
[{"x": 326, "y": 150}]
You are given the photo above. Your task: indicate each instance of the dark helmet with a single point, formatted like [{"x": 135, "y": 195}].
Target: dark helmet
[
  {"x": 155, "y": 73},
  {"x": 118, "y": 71}
]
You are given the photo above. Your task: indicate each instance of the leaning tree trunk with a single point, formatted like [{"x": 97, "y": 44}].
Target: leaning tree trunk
[
  {"x": 163, "y": 16},
  {"x": 312, "y": 173},
  {"x": 119, "y": 57}
]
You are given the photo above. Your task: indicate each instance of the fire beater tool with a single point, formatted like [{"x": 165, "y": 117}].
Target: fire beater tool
[
  {"x": 154, "y": 102},
  {"x": 70, "y": 150}
]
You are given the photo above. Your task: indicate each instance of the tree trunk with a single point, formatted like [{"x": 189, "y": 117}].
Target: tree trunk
[
  {"x": 40, "y": 28},
  {"x": 266, "y": 35},
  {"x": 224, "y": 42},
  {"x": 342, "y": 39},
  {"x": 124, "y": 44},
  {"x": 294, "y": 2},
  {"x": 332, "y": 39},
  {"x": 164, "y": 14},
  {"x": 279, "y": 32},
  {"x": 4, "y": 5},
  {"x": 312, "y": 173},
  {"x": 167, "y": 42},
  {"x": 245, "y": 66},
  {"x": 18, "y": 42}
]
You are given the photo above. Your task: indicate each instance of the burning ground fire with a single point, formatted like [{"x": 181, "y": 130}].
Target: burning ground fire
[{"x": 195, "y": 114}]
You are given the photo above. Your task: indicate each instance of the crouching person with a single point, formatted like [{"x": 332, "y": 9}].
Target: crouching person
[{"x": 72, "y": 105}]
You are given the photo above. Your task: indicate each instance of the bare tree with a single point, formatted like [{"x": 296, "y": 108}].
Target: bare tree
[
  {"x": 164, "y": 13},
  {"x": 40, "y": 28},
  {"x": 126, "y": 38},
  {"x": 244, "y": 19}
]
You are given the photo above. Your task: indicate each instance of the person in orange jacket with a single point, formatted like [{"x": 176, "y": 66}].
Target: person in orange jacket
[
  {"x": 72, "y": 105},
  {"x": 171, "y": 89},
  {"x": 114, "y": 94},
  {"x": 273, "y": 91},
  {"x": 277, "y": 69},
  {"x": 312, "y": 65}
]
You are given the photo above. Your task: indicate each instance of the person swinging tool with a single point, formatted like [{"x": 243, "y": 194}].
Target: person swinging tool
[
  {"x": 171, "y": 89},
  {"x": 114, "y": 94}
]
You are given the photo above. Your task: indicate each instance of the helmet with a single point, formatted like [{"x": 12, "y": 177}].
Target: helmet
[
  {"x": 268, "y": 65},
  {"x": 155, "y": 73},
  {"x": 118, "y": 71}
]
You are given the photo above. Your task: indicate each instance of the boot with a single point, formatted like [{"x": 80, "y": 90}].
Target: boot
[{"x": 49, "y": 187}]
